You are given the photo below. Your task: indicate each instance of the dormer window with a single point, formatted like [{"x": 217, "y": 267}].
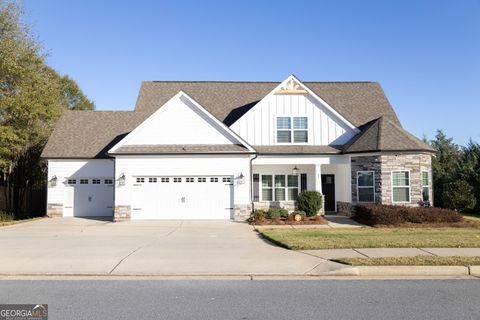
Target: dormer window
[{"x": 292, "y": 129}]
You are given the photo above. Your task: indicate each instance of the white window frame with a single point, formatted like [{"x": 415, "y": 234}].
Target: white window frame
[
  {"x": 260, "y": 181},
  {"x": 427, "y": 185},
  {"x": 292, "y": 130},
  {"x": 409, "y": 186},
  {"x": 364, "y": 187}
]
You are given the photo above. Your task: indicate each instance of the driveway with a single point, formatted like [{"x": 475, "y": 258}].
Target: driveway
[{"x": 83, "y": 246}]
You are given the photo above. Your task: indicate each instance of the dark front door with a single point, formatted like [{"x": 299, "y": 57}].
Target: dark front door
[{"x": 328, "y": 189}]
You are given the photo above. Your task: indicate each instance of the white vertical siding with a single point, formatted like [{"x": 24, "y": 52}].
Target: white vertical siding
[{"x": 258, "y": 125}]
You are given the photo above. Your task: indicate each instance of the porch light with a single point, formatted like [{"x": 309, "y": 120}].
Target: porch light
[
  {"x": 241, "y": 178},
  {"x": 295, "y": 170},
  {"x": 121, "y": 180},
  {"x": 53, "y": 181}
]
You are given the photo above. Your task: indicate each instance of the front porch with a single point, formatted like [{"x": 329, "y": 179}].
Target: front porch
[{"x": 278, "y": 181}]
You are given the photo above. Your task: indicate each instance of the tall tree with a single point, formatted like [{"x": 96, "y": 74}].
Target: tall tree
[
  {"x": 32, "y": 97},
  {"x": 445, "y": 165}
]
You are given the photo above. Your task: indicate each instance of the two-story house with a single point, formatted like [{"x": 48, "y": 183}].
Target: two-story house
[{"x": 217, "y": 150}]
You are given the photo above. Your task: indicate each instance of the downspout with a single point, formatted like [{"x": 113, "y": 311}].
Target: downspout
[{"x": 251, "y": 182}]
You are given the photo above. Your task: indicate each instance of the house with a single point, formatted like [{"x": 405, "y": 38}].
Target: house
[{"x": 217, "y": 150}]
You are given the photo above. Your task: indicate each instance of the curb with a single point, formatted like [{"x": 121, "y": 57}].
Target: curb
[{"x": 355, "y": 272}]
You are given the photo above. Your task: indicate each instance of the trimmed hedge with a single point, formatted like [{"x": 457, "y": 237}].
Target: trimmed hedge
[
  {"x": 277, "y": 213},
  {"x": 377, "y": 214}
]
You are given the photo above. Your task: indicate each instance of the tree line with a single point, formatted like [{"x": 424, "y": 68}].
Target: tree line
[
  {"x": 32, "y": 98},
  {"x": 456, "y": 174}
]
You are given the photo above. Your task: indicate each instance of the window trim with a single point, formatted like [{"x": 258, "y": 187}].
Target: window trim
[
  {"x": 409, "y": 186},
  {"x": 364, "y": 187},
  {"x": 292, "y": 130},
  {"x": 286, "y": 175},
  {"x": 427, "y": 185}
]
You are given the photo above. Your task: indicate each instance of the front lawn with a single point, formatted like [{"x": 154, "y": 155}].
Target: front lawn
[
  {"x": 374, "y": 238},
  {"x": 469, "y": 216},
  {"x": 10, "y": 222},
  {"x": 411, "y": 261}
]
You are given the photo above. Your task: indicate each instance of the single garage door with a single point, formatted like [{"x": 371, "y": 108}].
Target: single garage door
[
  {"x": 182, "y": 197},
  {"x": 89, "y": 197}
]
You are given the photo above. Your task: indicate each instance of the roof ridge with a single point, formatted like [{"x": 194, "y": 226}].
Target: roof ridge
[{"x": 232, "y": 81}]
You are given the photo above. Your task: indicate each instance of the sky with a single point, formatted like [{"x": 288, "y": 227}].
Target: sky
[{"x": 424, "y": 53}]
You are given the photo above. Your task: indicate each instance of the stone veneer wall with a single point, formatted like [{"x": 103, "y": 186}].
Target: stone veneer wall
[
  {"x": 55, "y": 210},
  {"x": 344, "y": 208},
  {"x": 367, "y": 163},
  {"x": 383, "y": 165},
  {"x": 415, "y": 163},
  {"x": 122, "y": 213},
  {"x": 242, "y": 212}
]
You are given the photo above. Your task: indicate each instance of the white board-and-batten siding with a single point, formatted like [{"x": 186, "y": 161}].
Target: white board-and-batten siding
[{"x": 258, "y": 125}]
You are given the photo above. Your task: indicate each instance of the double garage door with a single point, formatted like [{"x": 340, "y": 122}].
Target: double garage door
[{"x": 182, "y": 197}]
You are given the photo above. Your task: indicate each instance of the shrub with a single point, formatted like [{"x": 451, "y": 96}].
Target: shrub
[
  {"x": 310, "y": 202},
  {"x": 277, "y": 213},
  {"x": 6, "y": 216},
  {"x": 376, "y": 214},
  {"x": 458, "y": 195},
  {"x": 259, "y": 216}
]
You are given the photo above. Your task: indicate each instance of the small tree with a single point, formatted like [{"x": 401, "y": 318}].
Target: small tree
[
  {"x": 458, "y": 195},
  {"x": 310, "y": 202}
]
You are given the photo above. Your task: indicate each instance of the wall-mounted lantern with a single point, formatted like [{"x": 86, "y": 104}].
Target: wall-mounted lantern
[
  {"x": 53, "y": 181},
  {"x": 295, "y": 171},
  {"x": 241, "y": 178},
  {"x": 121, "y": 180}
]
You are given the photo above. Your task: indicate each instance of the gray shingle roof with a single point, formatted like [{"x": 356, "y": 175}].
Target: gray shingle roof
[
  {"x": 358, "y": 102},
  {"x": 179, "y": 149},
  {"x": 382, "y": 134},
  {"x": 297, "y": 149},
  {"x": 90, "y": 134}
]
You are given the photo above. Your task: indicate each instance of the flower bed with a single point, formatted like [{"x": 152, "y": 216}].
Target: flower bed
[{"x": 283, "y": 217}]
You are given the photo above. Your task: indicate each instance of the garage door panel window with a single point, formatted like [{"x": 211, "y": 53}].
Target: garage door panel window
[
  {"x": 177, "y": 180},
  {"x": 202, "y": 179},
  {"x": 226, "y": 179},
  {"x": 189, "y": 180},
  {"x": 96, "y": 181},
  {"x": 165, "y": 180},
  {"x": 152, "y": 180},
  {"x": 213, "y": 179},
  {"x": 83, "y": 181},
  {"x": 72, "y": 181},
  {"x": 140, "y": 180},
  {"x": 108, "y": 181},
  {"x": 401, "y": 186}
]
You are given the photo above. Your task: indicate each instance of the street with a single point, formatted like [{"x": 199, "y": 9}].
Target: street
[{"x": 219, "y": 299}]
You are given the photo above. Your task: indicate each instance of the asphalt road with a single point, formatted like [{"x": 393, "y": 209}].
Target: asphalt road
[{"x": 216, "y": 299}]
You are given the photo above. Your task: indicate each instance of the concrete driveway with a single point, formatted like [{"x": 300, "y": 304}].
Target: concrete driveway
[{"x": 83, "y": 246}]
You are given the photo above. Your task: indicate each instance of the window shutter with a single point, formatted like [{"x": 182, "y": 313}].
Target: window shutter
[
  {"x": 303, "y": 182},
  {"x": 256, "y": 187}
]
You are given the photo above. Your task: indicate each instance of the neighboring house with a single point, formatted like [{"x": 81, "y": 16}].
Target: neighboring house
[{"x": 215, "y": 150}]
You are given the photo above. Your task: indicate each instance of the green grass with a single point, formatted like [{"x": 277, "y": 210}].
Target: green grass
[
  {"x": 469, "y": 216},
  {"x": 305, "y": 239},
  {"x": 411, "y": 261}
]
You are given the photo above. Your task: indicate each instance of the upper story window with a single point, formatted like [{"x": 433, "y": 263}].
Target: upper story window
[{"x": 292, "y": 129}]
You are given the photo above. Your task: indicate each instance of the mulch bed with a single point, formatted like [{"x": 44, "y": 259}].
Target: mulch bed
[{"x": 283, "y": 221}]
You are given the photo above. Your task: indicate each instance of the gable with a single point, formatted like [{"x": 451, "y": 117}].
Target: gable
[
  {"x": 290, "y": 99},
  {"x": 181, "y": 121}
]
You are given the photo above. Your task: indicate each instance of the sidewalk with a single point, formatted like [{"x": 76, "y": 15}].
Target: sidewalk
[{"x": 392, "y": 252}]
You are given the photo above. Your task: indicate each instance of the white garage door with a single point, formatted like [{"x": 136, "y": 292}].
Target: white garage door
[
  {"x": 89, "y": 197},
  {"x": 182, "y": 197}
]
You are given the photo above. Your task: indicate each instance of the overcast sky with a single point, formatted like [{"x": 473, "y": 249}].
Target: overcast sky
[{"x": 425, "y": 54}]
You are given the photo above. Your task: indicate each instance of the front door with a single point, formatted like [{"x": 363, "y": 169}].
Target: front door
[{"x": 328, "y": 189}]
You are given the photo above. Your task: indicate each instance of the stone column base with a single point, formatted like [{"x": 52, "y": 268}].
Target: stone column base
[
  {"x": 55, "y": 210},
  {"x": 242, "y": 212},
  {"x": 122, "y": 213},
  {"x": 344, "y": 208}
]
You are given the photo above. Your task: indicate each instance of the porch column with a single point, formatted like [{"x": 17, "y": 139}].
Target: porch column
[{"x": 318, "y": 178}]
